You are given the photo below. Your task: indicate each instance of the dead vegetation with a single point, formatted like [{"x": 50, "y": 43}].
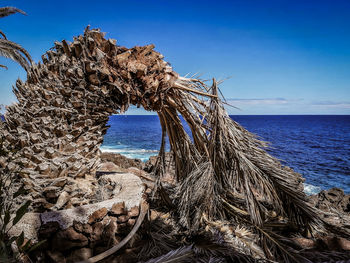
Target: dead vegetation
[
  {"x": 232, "y": 201},
  {"x": 10, "y": 49}
]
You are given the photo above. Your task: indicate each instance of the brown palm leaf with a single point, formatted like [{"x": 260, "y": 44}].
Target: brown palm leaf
[
  {"x": 8, "y": 10},
  {"x": 3, "y": 34},
  {"x": 15, "y": 55},
  {"x": 9, "y": 49}
]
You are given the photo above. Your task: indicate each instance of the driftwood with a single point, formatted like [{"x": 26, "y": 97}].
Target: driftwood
[{"x": 225, "y": 180}]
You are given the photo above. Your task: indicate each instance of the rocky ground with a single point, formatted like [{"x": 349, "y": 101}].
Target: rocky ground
[
  {"x": 83, "y": 234},
  {"x": 332, "y": 200},
  {"x": 334, "y": 204}
]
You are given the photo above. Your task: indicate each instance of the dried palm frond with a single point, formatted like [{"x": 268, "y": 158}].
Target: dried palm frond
[
  {"x": 15, "y": 55},
  {"x": 8, "y": 10},
  {"x": 224, "y": 177},
  {"x": 182, "y": 254},
  {"x": 9, "y": 49},
  {"x": 159, "y": 237},
  {"x": 231, "y": 176},
  {"x": 3, "y": 35},
  {"x": 327, "y": 256},
  {"x": 205, "y": 247}
]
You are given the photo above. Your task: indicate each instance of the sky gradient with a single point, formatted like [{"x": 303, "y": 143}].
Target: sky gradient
[{"x": 282, "y": 57}]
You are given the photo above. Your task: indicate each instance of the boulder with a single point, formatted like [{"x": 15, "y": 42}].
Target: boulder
[
  {"x": 121, "y": 161},
  {"x": 333, "y": 198},
  {"x": 68, "y": 239},
  {"x": 118, "y": 209},
  {"x": 134, "y": 211},
  {"x": 29, "y": 224},
  {"x": 98, "y": 215},
  {"x": 131, "y": 194},
  {"x": 108, "y": 167}
]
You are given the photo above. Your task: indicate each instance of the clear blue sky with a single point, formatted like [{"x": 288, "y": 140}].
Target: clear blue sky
[{"x": 284, "y": 57}]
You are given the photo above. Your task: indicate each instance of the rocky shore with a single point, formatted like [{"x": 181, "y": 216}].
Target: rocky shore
[{"x": 78, "y": 233}]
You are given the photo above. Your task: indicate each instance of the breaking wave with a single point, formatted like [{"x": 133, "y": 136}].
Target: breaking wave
[
  {"x": 310, "y": 189},
  {"x": 132, "y": 153}
]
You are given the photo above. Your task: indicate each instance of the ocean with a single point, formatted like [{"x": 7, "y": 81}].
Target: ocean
[{"x": 316, "y": 146}]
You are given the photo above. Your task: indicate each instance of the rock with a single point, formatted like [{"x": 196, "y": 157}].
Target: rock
[
  {"x": 44, "y": 168},
  {"x": 79, "y": 255},
  {"x": 131, "y": 222},
  {"x": 59, "y": 182},
  {"x": 147, "y": 178},
  {"x": 131, "y": 194},
  {"x": 62, "y": 200},
  {"x": 122, "y": 219},
  {"x": 122, "y": 229},
  {"x": 118, "y": 209},
  {"x": 51, "y": 192},
  {"x": 109, "y": 233},
  {"x": 82, "y": 228},
  {"x": 334, "y": 195},
  {"x": 48, "y": 229},
  {"x": 98, "y": 215},
  {"x": 67, "y": 239},
  {"x": 107, "y": 187},
  {"x": 87, "y": 229},
  {"x": 56, "y": 256},
  {"x": 81, "y": 188},
  {"x": 134, "y": 211},
  {"x": 121, "y": 161},
  {"x": 148, "y": 191},
  {"x": 29, "y": 224},
  {"x": 108, "y": 167},
  {"x": 345, "y": 203},
  {"x": 330, "y": 199},
  {"x": 149, "y": 165},
  {"x": 96, "y": 235},
  {"x": 78, "y": 226}
]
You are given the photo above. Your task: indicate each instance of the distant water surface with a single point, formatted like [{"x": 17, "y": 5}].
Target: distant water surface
[{"x": 318, "y": 147}]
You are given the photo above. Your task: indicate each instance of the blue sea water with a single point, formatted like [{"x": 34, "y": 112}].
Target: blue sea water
[{"x": 316, "y": 146}]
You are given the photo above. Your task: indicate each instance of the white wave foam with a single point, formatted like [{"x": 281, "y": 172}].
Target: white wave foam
[
  {"x": 115, "y": 150},
  {"x": 145, "y": 154},
  {"x": 310, "y": 189},
  {"x": 142, "y": 154}
]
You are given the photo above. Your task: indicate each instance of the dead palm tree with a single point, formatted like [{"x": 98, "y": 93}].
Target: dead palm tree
[{"x": 12, "y": 50}]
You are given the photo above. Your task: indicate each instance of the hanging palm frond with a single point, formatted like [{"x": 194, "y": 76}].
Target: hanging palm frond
[
  {"x": 9, "y": 49},
  {"x": 14, "y": 54},
  {"x": 9, "y": 10},
  {"x": 3, "y": 35}
]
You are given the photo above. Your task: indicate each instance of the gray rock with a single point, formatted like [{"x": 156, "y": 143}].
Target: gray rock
[{"x": 62, "y": 200}]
